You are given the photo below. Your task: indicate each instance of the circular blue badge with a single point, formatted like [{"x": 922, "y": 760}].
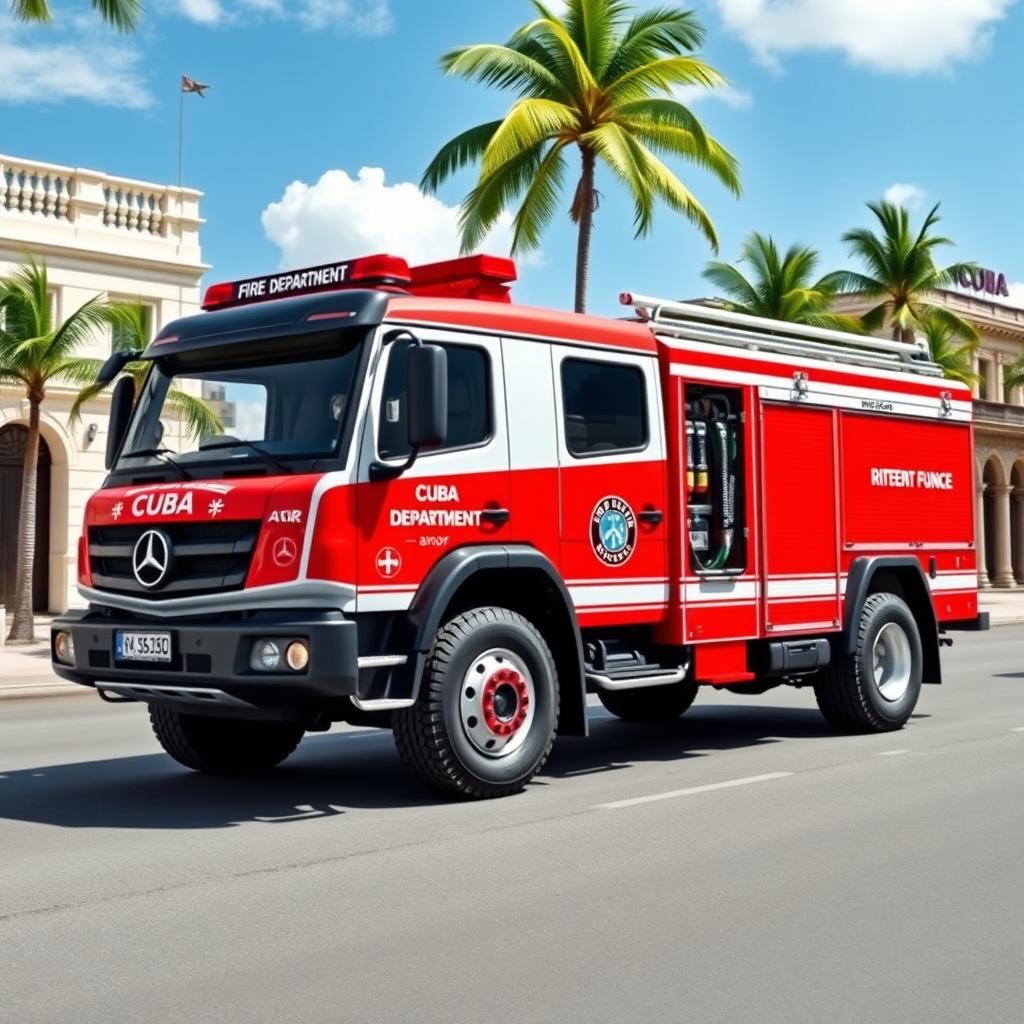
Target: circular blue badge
[{"x": 613, "y": 531}]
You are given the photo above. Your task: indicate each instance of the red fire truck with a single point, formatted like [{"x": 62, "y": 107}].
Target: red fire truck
[{"x": 430, "y": 508}]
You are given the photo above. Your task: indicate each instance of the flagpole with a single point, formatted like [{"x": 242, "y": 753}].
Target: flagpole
[{"x": 181, "y": 129}]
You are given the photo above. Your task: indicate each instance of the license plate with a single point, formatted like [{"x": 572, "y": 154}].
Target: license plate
[{"x": 142, "y": 646}]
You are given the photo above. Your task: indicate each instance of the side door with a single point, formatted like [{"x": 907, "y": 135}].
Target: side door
[
  {"x": 451, "y": 496},
  {"x": 612, "y": 484}
]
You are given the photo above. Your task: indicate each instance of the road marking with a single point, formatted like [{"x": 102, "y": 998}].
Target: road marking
[
  {"x": 1020, "y": 728},
  {"x": 893, "y": 753},
  {"x": 692, "y": 791}
]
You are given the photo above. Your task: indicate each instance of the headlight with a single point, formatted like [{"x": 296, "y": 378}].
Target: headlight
[
  {"x": 266, "y": 656},
  {"x": 64, "y": 648},
  {"x": 297, "y": 656}
]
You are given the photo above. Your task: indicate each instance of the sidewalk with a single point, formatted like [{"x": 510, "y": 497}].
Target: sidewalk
[{"x": 25, "y": 671}]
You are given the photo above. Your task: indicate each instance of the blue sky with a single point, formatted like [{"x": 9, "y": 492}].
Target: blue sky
[{"x": 832, "y": 102}]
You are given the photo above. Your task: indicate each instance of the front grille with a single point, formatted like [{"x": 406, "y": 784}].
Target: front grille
[{"x": 208, "y": 557}]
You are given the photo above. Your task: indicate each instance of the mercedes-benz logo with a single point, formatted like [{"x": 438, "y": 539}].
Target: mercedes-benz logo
[{"x": 151, "y": 558}]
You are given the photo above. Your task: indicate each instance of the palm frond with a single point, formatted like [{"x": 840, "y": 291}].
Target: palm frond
[
  {"x": 593, "y": 26},
  {"x": 505, "y": 67},
  {"x": 551, "y": 31},
  {"x": 540, "y": 201},
  {"x": 529, "y": 123},
  {"x": 494, "y": 194},
  {"x": 457, "y": 153},
  {"x": 661, "y": 75},
  {"x": 657, "y": 31}
]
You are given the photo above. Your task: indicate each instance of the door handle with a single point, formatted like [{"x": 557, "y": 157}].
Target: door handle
[
  {"x": 652, "y": 515},
  {"x": 498, "y": 516}
]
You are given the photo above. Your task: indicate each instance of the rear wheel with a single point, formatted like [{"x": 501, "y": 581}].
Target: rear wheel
[
  {"x": 651, "y": 703},
  {"x": 223, "y": 745},
  {"x": 485, "y": 719},
  {"x": 875, "y": 689}
]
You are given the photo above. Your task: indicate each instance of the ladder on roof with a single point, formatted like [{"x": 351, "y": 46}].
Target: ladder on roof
[{"x": 739, "y": 330}]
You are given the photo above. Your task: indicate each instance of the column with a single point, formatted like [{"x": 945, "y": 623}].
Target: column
[
  {"x": 979, "y": 541},
  {"x": 1000, "y": 396},
  {"x": 1017, "y": 524},
  {"x": 1001, "y": 535}
]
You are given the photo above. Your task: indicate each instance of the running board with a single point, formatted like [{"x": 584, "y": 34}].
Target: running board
[{"x": 667, "y": 678}]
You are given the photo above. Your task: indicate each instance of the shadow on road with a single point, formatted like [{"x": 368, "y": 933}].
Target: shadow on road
[{"x": 333, "y": 773}]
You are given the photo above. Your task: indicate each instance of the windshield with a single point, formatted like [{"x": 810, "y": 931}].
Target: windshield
[{"x": 275, "y": 413}]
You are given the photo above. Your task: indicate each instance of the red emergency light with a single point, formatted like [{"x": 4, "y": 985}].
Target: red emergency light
[{"x": 469, "y": 277}]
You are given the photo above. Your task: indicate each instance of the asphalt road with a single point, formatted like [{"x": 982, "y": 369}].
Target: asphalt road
[{"x": 778, "y": 872}]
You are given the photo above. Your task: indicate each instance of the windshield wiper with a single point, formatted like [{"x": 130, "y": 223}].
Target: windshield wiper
[
  {"x": 164, "y": 455},
  {"x": 262, "y": 452}
]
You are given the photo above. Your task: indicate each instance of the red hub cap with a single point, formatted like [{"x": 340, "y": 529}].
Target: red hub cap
[{"x": 505, "y": 700}]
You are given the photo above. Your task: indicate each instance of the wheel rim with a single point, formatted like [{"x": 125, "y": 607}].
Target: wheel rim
[
  {"x": 497, "y": 703},
  {"x": 892, "y": 662}
]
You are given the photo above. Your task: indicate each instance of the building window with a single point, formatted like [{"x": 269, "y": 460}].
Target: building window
[
  {"x": 985, "y": 390},
  {"x": 605, "y": 407}
]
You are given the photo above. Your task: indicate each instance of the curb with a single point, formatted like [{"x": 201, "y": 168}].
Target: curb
[{"x": 32, "y": 691}]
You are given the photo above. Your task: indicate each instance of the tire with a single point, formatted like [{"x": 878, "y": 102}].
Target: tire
[
  {"x": 485, "y": 719},
  {"x": 650, "y": 704},
  {"x": 876, "y": 688},
  {"x": 223, "y": 745}
]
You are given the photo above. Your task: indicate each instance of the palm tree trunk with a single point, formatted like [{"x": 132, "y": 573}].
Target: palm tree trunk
[
  {"x": 585, "y": 206},
  {"x": 23, "y": 623}
]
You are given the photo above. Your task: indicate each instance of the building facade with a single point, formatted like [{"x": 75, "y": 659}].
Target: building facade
[
  {"x": 98, "y": 234},
  {"x": 998, "y": 427}
]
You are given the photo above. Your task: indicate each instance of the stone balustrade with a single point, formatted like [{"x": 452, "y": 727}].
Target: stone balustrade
[{"x": 90, "y": 201}]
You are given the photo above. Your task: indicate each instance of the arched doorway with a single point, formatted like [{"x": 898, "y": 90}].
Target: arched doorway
[
  {"x": 13, "y": 439},
  {"x": 1017, "y": 520},
  {"x": 996, "y": 504}
]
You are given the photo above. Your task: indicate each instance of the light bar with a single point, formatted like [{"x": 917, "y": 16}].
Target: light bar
[{"x": 367, "y": 271}]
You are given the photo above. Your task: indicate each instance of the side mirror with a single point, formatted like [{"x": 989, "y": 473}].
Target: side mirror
[
  {"x": 114, "y": 365},
  {"x": 427, "y": 390},
  {"x": 122, "y": 401}
]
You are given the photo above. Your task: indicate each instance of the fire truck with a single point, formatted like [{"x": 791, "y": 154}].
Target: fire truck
[{"x": 429, "y": 508}]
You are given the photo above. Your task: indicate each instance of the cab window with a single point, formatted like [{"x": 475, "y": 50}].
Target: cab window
[
  {"x": 604, "y": 406},
  {"x": 469, "y": 401}
]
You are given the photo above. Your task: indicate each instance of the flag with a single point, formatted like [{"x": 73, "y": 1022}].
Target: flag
[{"x": 191, "y": 85}]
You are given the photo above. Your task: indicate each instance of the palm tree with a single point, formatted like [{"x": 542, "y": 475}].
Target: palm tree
[
  {"x": 131, "y": 333},
  {"x": 902, "y": 274},
  {"x": 35, "y": 351},
  {"x": 122, "y": 14},
  {"x": 955, "y": 353},
  {"x": 779, "y": 287},
  {"x": 599, "y": 78}
]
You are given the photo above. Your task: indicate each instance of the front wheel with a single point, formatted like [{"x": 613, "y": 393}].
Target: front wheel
[
  {"x": 875, "y": 689},
  {"x": 223, "y": 745},
  {"x": 485, "y": 719}
]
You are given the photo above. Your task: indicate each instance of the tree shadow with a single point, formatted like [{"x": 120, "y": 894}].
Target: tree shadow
[{"x": 341, "y": 771}]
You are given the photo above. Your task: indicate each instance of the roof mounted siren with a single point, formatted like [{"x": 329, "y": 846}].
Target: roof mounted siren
[{"x": 468, "y": 277}]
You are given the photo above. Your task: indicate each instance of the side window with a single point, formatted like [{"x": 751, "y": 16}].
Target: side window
[
  {"x": 605, "y": 408},
  {"x": 469, "y": 400}
]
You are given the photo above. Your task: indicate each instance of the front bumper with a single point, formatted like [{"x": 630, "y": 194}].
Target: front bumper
[{"x": 210, "y": 659}]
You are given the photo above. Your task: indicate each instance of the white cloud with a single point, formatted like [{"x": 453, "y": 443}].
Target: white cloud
[
  {"x": 206, "y": 12},
  {"x": 69, "y": 63},
  {"x": 342, "y": 217},
  {"x": 906, "y": 36},
  {"x": 904, "y": 193},
  {"x": 362, "y": 17},
  {"x": 690, "y": 95}
]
